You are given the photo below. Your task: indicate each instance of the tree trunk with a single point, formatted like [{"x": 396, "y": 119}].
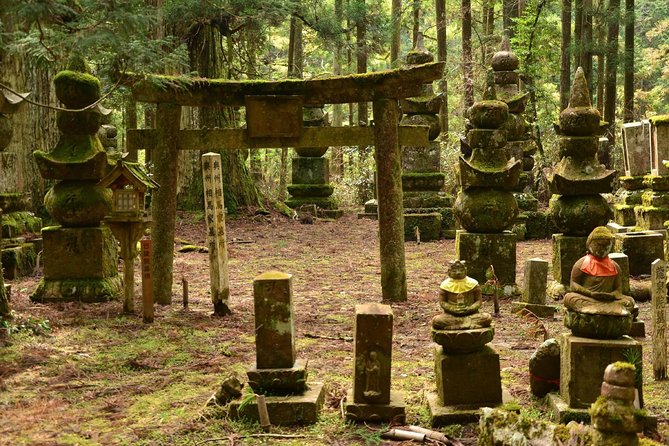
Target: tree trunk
[
  {"x": 396, "y": 12},
  {"x": 131, "y": 122},
  {"x": 361, "y": 56},
  {"x": 442, "y": 56},
  {"x": 629, "y": 61},
  {"x": 509, "y": 12},
  {"x": 488, "y": 20},
  {"x": 337, "y": 153},
  {"x": 565, "y": 66},
  {"x": 467, "y": 64},
  {"x": 416, "y": 23},
  {"x": 586, "y": 44},
  {"x": 578, "y": 33},
  {"x": 613, "y": 14}
]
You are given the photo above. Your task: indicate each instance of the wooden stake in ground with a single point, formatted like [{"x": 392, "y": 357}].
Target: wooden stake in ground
[
  {"x": 147, "y": 285},
  {"x": 659, "y": 302},
  {"x": 184, "y": 286},
  {"x": 215, "y": 218}
]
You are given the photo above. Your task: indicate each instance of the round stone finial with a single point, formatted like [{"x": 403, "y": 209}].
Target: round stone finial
[
  {"x": 580, "y": 118},
  {"x": 419, "y": 54},
  {"x": 489, "y": 114},
  {"x": 505, "y": 59},
  {"x": 76, "y": 89},
  {"x": 579, "y": 95}
]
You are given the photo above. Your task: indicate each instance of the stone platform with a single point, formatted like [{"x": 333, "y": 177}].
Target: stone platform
[
  {"x": 285, "y": 410},
  {"x": 441, "y": 415},
  {"x": 392, "y": 412}
]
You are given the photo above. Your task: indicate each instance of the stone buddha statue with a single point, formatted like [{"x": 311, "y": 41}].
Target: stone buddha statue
[
  {"x": 461, "y": 327},
  {"x": 596, "y": 305}
]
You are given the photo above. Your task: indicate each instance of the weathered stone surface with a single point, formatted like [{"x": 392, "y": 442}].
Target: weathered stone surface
[
  {"x": 536, "y": 224},
  {"x": 464, "y": 340},
  {"x": 78, "y": 203},
  {"x": 503, "y": 177},
  {"x": 93, "y": 251},
  {"x": 428, "y": 224},
  {"x": 421, "y": 159},
  {"x": 598, "y": 326},
  {"x": 425, "y": 199},
  {"x": 422, "y": 104},
  {"x": 582, "y": 366},
  {"x": 468, "y": 379},
  {"x": 578, "y": 147},
  {"x": 284, "y": 381},
  {"x": 275, "y": 333},
  {"x": 310, "y": 190},
  {"x": 328, "y": 203},
  {"x": 624, "y": 263},
  {"x": 535, "y": 280},
  {"x": 642, "y": 248},
  {"x": 474, "y": 206},
  {"x": 393, "y": 411},
  {"x": 545, "y": 368},
  {"x": 651, "y": 218},
  {"x": 576, "y": 215},
  {"x": 527, "y": 202},
  {"x": 488, "y": 139},
  {"x": 16, "y": 223},
  {"x": 18, "y": 261},
  {"x": 624, "y": 215},
  {"x": 635, "y": 149},
  {"x": 482, "y": 250},
  {"x": 285, "y": 410},
  {"x": 566, "y": 251},
  {"x": 430, "y": 120},
  {"x": 632, "y": 183},
  {"x": 88, "y": 290},
  {"x": 372, "y": 353},
  {"x": 657, "y": 182},
  {"x": 310, "y": 170},
  {"x": 489, "y": 114},
  {"x": 311, "y": 152},
  {"x": 660, "y": 146},
  {"x": 426, "y": 181},
  {"x": 651, "y": 198}
]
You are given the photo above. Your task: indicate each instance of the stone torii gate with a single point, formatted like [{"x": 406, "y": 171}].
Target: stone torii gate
[{"x": 264, "y": 100}]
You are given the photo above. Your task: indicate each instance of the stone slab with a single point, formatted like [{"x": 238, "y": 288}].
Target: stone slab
[
  {"x": 393, "y": 412},
  {"x": 642, "y": 248},
  {"x": 286, "y": 381},
  {"x": 429, "y": 226},
  {"x": 18, "y": 261},
  {"x": 421, "y": 159},
  {"x": 651, "y": 218},
  {"x": 534, "y": 281},
  {"x": 480, "y": 250},
  {"x": 624, "y": 215},
  {"x": 624, "y": 263},
  {"x": 542, "y": 311},
  {"x": 428, "y": 181},
  {"x": 310, "y": 170},
  {"x": 332, "y": 213},
  {"x": 285, "y": 410},
  {"x": 78, "y": 290},
  {"x": 469, "y": 379},
  {"x": 566, "y": 251},
  {"x": 79, "y": 253},
  {"x": 582, "y": 365},
  {"x": 635, "y": 149},
  {"x": 441, "y": 415},
  {"x": 616, "y": 228},
  {"x": 274, "y": 329}
]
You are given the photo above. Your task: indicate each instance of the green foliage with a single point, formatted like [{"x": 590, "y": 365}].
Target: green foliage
[{"x": 32, "y": 326}]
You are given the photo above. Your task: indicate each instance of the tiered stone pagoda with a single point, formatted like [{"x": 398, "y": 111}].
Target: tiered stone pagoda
[
  {"x": 519, "y": 142},
  {"x": 486, "y": 207},
  {"x": 311, "y": 172},
  {"x": 426, "y": 206},
  {"x": 467, "y": 371},
  {"x": 577, "y": 182},
  {"x": 80, "y": 256}
]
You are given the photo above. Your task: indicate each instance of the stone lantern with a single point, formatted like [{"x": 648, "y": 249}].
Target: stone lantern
[{"x": 128, "y": 220}]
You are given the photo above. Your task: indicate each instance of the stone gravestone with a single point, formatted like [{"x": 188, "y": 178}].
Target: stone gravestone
[
  {"x": 486, "y": 207},
  {"x": 278, "y": 373},
  {"x": 600, "y": 317},
  {"x": 637, "y": 165},
  {"x": 577, "y": 181},
  {"x": 215, "y": 217},
  {"x": 79, "y": 255},
  {"x": 534, "y": 289},
  {"x": 654, "y": 208},
  {"x": 467, "y": 371},
  {"x": 371, "y": 398}
]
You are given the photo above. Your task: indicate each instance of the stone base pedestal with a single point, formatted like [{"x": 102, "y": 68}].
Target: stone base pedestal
[
  {"x": 542, "y": 311},
  {"x": 480, "y": 250},
  {"x": 623, "y": 214},
  {"x": 19, "y": 261},
  {"x": 566, "y": 251},
  {"x": 285, "y": 410},
  {"x": 428, "y": 224},
  {"x": 582, "y": 365},
  {"x": 359, "y": 412},
  {"x": 649, "y": 218},
  {"x": 468, "y": 379},
  {"x": 80, "y": 264},
  {"x": 441, "y": 415},
  {"x": 642, "y": 248},
  {"x": 284, "y": 381}
]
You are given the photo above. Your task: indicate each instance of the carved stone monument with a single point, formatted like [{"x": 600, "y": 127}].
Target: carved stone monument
[
  {"x": 467, "y": 371},
  {"x": 79, "y": 256},
  {"x": 371, "y": 398},
  {"x": 486, "y": 207},
  {"x": 654, "y": 208},
  {"x": 636, "y": 157},
  {"x": 534, "y": 289},
  {"x": 426, "y": 205},
  {"x": 278, "y": 373},
  {"x": 600, "y": 318},
  {"x": 577, "y": 181}
]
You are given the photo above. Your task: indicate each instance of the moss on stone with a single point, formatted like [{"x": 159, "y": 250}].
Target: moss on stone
[
  {"x": 76, "y": 89},
  {"x": 310, "y": 190},
  {"x": 659, "y": 119}
]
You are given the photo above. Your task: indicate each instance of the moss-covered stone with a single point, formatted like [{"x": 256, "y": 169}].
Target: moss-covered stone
[
  {"x": 428, "y": 224},
  {"x": 321, "y": 202},
  {"x": 81, "y": 123},
  {"x": 430, "y": 120},
  {"x": 651, "y": 198},
  {"x": 656, "y": 182},
  {"x": 536, "y": 225},
  {"x": 641, "y": 248},
  {"x": 659, "y": 119},
  {"x": 482, "y": 250},
  {"x": 632, "y": 183},
  {"x": 314, "y": 170},
  {"x": 624, "y": 215},
  {"x": 578, "y": 147},
  {"x": 421, "y": 159},
  {"x": 78, "y": 203},
  {"x": 426, "y": 199},
  {"x": 423, "y": 181},
  {"x": 651, "y": 218},
  {"x": 578, "y": 215},
  {"x": 13, "y": 201},
  {"x": 76, "y": 89},
  {"x": 488, "y": 139},
  {"x": 504, "y": 61},
  {"x": 597, "y": 326},
  {"x": 490, "y": 114},
  {"x": 18, "y": 261},
  {"x": 474, "y": 207},
  {"x": 566, "y": 251},
  {"x": 78, "y": 290},
  {"x": 17, "y": 223},
  {"x": 310, "y": 190}
]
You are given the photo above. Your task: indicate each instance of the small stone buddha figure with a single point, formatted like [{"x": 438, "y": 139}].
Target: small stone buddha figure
[
  {"x": 596, "y": 305},
  {"x": 460, "y": 298}
]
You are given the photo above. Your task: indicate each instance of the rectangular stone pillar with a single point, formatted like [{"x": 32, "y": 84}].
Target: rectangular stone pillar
[
  {"x": 642, "y": 248},
  {"x": 480, "y": 251},
  {"x": 635, "y": 147},
  {"x": 371, "y": 397},
  {"x": 275, "y": 333},
  {"x": 535, "y": 281},
  {"x": 566, "y": 251},
  {"x": 215, "y": 217},
  {"x": 660, "y": 145}
]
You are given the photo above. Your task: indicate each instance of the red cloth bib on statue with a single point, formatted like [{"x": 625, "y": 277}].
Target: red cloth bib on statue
[{"x": 598, "y": 267}]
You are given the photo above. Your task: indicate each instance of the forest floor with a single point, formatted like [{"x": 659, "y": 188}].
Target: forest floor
[{"x": 80, "y": 374}]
